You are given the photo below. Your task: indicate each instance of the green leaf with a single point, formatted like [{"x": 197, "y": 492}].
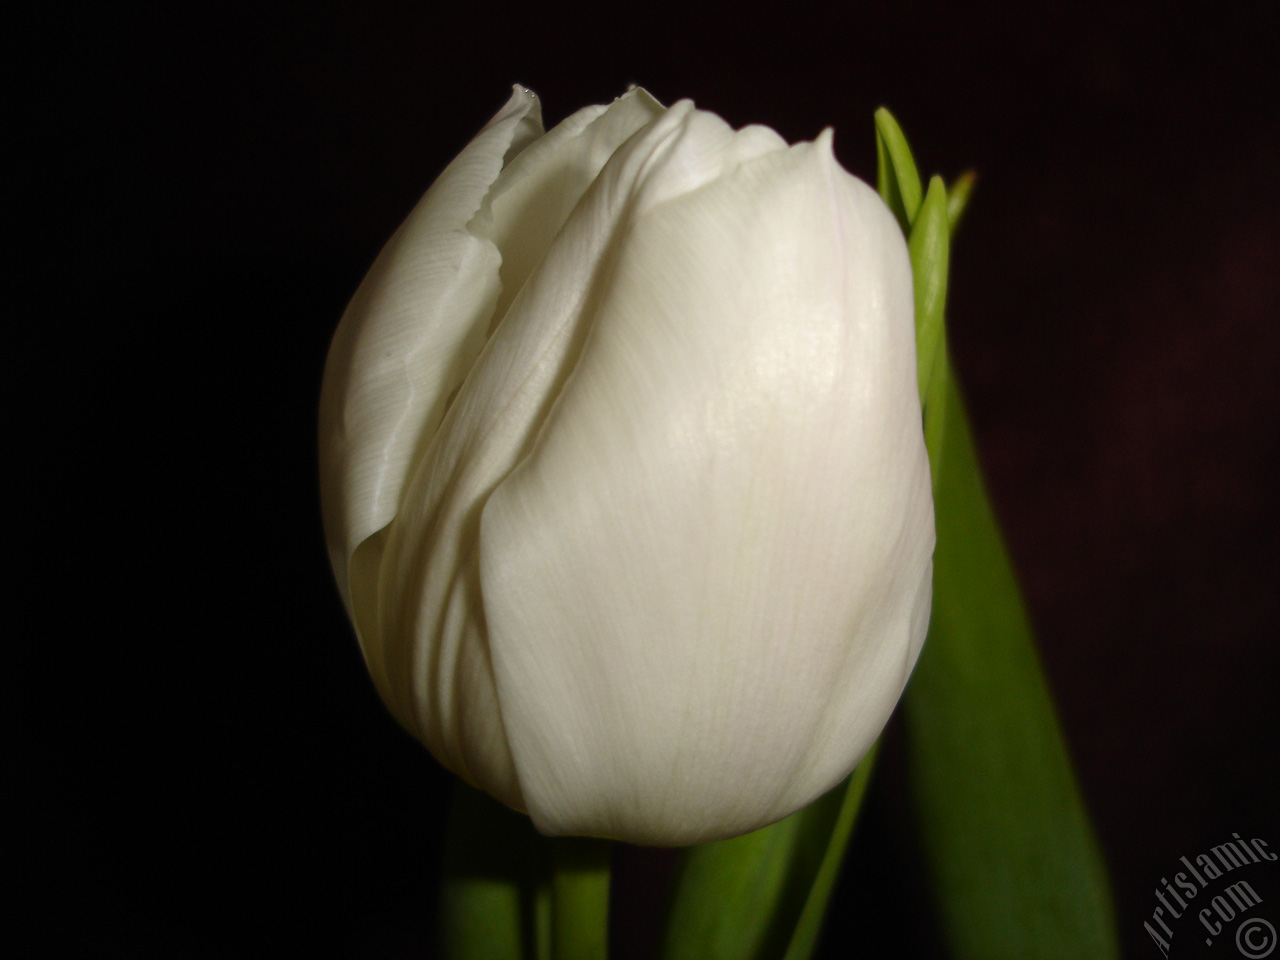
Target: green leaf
[
  {"x": 764, "y": 894},
  {"x": 930, "y": 246},
  {"x": 1016, "y": 866},
  {"x": 934, "y": 401},
  {"x": 896, "y": 176}
]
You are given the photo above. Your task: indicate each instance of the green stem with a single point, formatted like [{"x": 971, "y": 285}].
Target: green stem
[
  {"x": 492, "y": 871},
  {"x": 810, "y": 923},
  {"x": 580, "y": 899}
]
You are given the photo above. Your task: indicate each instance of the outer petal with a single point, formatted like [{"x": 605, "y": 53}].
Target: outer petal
[
  {"x": 708, "y": 579},
  {"x": 407, "y": 339},
  {"x": 434, "y": 646}
]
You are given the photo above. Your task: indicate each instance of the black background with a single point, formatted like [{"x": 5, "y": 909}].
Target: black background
[{"x": 225, "y": 782}]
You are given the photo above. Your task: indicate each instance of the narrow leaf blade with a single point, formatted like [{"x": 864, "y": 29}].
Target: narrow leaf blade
[
  {"x": 897, "y": 178},
  {"x": 930, "y": 246}
]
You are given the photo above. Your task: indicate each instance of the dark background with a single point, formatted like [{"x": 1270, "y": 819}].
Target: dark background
[{"x": 227, "y": 783}]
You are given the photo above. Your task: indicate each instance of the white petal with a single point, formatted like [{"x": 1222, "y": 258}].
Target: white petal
[
  {"x": 408, "y": 338},
  {"x": 534, "y": 196},
  {"x": 431, "y": 614},
  {"x": 703, "y": 583}
]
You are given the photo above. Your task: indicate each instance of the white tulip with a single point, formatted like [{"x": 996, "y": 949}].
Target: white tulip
[{"x": 623, "y": 475}]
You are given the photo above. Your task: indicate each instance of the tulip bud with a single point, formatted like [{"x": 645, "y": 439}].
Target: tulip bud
[{"x": 623, "y": 476}]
